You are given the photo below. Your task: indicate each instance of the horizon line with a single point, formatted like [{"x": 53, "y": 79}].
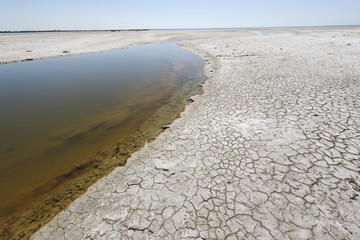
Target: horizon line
[{"x": 162, "y": 29}]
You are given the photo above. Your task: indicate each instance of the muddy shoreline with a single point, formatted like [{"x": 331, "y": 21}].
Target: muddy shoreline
[{"x": 56, "y": 195}]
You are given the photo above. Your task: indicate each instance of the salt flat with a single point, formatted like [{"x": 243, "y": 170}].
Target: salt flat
[
  {"x": 24, "y": 47},
  {"x": 270, "y": 150}
]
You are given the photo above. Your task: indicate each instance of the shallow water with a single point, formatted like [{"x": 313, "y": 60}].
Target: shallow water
[{"x": 56, "y": 113}]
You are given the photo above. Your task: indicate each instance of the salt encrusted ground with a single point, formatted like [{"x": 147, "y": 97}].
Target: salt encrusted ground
[
  {"x": 269, "y": 151},
  {"x": 27, "y": 47}
]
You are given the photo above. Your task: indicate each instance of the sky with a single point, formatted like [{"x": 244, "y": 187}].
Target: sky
[{"x": 18, "y": 15}]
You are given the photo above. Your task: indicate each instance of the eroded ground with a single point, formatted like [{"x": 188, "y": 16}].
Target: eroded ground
[{"x": 269, "y": 151}]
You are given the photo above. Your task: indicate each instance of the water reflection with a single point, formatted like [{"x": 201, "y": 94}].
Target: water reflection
[{"x": 55, "y": 113}]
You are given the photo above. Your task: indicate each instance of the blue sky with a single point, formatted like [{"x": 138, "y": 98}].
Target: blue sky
[{"x": 111, "y": 14}]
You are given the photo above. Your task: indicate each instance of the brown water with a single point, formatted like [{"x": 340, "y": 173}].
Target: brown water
[{"x": 56, "y": 113}]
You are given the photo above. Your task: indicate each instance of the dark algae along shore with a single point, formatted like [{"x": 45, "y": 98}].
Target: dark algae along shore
[{"x": 66, "y": 122}]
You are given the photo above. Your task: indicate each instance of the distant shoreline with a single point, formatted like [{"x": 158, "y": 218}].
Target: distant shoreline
[
  {"x": 21, "y": 46},
  {"x": 179, "y": 29},
  {"x": 64, "y": 31}
]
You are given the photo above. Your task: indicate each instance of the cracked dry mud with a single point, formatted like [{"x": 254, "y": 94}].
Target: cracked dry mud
[{"x": 269, "y": 151}]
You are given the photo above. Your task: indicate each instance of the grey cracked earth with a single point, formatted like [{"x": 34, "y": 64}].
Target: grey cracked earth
[{"x": 269, "y": 151}]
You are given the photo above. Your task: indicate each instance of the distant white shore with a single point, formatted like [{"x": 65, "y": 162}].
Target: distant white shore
[{"x": 31, "y": 46}]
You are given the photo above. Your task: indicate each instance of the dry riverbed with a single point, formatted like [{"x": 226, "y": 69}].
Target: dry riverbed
[{"x": 270, "y": 150}]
